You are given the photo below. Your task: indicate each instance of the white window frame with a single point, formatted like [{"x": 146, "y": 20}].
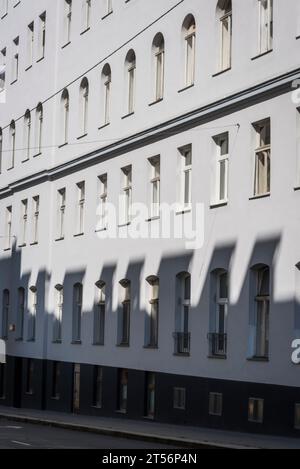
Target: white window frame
[
  {"x": 61, "y": 208},
  {"x": 24, "y": 222},
  {"x": 126, "y": 195},
  {"x": 100, "y": 313},
  {"x": 103, "y": 181},
  {"x": 30, "y": 44},
  {"x": 84, "y": 98},
  {"x": 186, "y": 177},
  {"x": 39, "y": 129},
  {"x": 15, "y": 60},
  {"x": 215, "y": 404},
  {"x": 32, "y": 313},
  {"x": 27, "y": 135},
  {"x": 3, "y": 72},
  {"x": 80, "y": 207},
  {"x": 42, "y": 36},
  {"x": 77, "y": 312},
  {"x": 265, "y": 29},
  {"x": 59, "y": 304},
  {"x": 67, "y": 22},
  {"x": 154, "y": 186},
  {"x": 262, "y": 308},
  {"x": 262, "y": 168},
  {"x": 107, "y": 98},
  {"x": 8, "y": 230},
  {"x": 190, "y": 55},
  {"x": 221, "y": 161},
  {"x": 35, "y": 218},
  {"x": 86, "y": 15},
  {"x": 226, "y": 40}
]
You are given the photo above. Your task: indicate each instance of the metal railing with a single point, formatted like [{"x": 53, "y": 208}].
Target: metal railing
[
  {"x": 182, "y": 343},
  {"x": 217, "y": 344}
]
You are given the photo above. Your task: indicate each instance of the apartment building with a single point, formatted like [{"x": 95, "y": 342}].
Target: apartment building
[{"x": 193, "y": 103}]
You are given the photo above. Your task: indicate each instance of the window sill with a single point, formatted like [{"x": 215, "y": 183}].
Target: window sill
[
  {"x": 217, "y": 357},
  {"x": 3, "y": 16},
  {"x": 65, "y": 45},
  {"x": 78, "y": 235},
  {"x": 220, "y": 72},
  {"x": 298, "y": 37},
  {"x": 59, "y": 239},
  {"x": 7, "y": 249},
  {"x": 85, "y": 31},
  {"x": 40, "y": 59},
  {"x": 152, "y": 219},
  {"x": 188, "y": 87},
  {"x": 76, "y": 342},
  {"x": 186, "y": 354},
  {"x": 123, "y": 225},
  {"x": 31, "y": 393},
  {"x": 81, "y": 136},
  {"x": 56, "y": 342},
  {"x": 28, "y": 68},
  {"x": 262, "y": 54},
  {"x": 219, "y": 204},
  {"x": 96, "y": 344},
  {"x": 57, "y": 398},
  {"x": 37, "y": 154},
  {"x": 258, "y": 359},
  {"x": 122, "y": 412},
  {"x": 107, "y": 15},
  {"x": 184, "y": 211},
  {"x": 25, "y": 160},
  {"x": 22, "y": 245},
  {"x": 63, "y": 145},
  {"x": 101, "y": 230},
  {"x": 148, "y": 417},
  {"x": 150, "y": 347},
  {"x": 11, "y": 168},
  {"x": 19, "y": 339},
  {"x": 261, "y": 196},
  {"x": 103, "y": 126},
  {"x": 14, "y": 81},
  {"x": 123, "y": 345},
  {"x": 128, "y": 115},
  {"x": 30, "y": 341},
  {"x": 297, "y": 188},
  {"x": 35, "y": 243},
  {"x": 156, "y": 102},
  {"x": 98, "y": 407}
]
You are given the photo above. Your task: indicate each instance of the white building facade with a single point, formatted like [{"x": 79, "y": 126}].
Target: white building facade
[{"x": 117, "y": 103}]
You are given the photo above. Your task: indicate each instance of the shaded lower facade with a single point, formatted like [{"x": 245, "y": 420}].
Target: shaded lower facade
[{"x": 113, "y": 392}]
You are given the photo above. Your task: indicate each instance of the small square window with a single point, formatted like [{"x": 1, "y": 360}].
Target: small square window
[
  {"x": 256, "y": 410},
  {"x": 179, "y": 398}
]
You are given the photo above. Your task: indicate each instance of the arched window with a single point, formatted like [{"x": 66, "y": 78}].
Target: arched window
[
  {"x": 125, "y": 310},
  {"x": 21, "y": 311},
  {"x": 59, "y": 302},
  {"x": 99, "y": 313},
  {"x": 5, "y": 314},
  {"x": 77, "y": 312},
  {"x": 189, "y": 35},
  {"x": 27, "y": 134},
  {"x": 265, "y": 18},
  {"x": 158, "y": 51},
  {"x": 12, "y": 139},
  {"x": 86, "y": 15},
  {"x": 130, "y": 67},
  {"x": 224, "y": 19},
  {"x": 84, "y": 101},
  {"x": 182, "y": 334},
  {"x": 38, "y": 129},
  {"x": 151, "y": 322},
  {"x": 106, "y": 93},
  {"x": 65, "y": 104}
]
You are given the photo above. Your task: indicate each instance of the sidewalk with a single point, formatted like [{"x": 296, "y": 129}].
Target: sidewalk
[{"x": 181, "y": 436}]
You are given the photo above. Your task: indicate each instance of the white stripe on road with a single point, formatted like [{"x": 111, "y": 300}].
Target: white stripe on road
[{"x": 20, "y": 443}]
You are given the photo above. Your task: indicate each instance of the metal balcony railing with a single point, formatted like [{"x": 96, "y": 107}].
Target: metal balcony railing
[
  {"x": 217, "y": 344},
  {"x": 182, "y": 343}
]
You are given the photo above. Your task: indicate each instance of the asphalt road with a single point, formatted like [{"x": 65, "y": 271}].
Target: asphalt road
[{"x": 15, "y": 435}]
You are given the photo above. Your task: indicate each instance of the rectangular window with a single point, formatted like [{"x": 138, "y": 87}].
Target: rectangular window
[
  {"x": 15, "y": 60},
  {"x": 150, "y": 395},
  {"x": 182, "y": 335},
  {"x": 24, "y": 220},
  {"x": 12, "y": 142},
  {"x": 124, "y": 326},
  {"x": 265, "y": 25},
  {"x": 262, "y": 306},
  {"x": 5, "y": 314},
  {"x": 98, "y": 386},
  {"x": 222, "y": 164},
  {"x": 77, "y": 312},
  {"x": 29, "y": 375},
  {"x": 61, "y": 207},
  {"x": 226, "y": 37},
  {"x": 122, "y": 390},
  {"x": 155, "y": 186},
  {"x": 55, "y": 380},
  {"x": 160, "y": 73},
  {"x": 185, "y": 154},
  {"x": 256, "y": 410},
  {"x": 32, "y": 311},
  {"x": 179, "y": 398},
  {"x": 2, "y": 381},
  {"x": 80, "y": 207},
  {"x": 59, "y": 304},
  {"x": 126, "y": 195},
  {"x": 190, "y": 44},
  {"x": 30, "y": 44},
  {"x": 262, "y": 179},
  {"x": 42, "y": 36},
  {"x": 107, "y": 90},
  {"x": 215, "y": 404},
  {"x": 67, "y": 21},
  {"x": 8, "y": 227},
  {"x": 35, "y": 218},
  {"x": 109, "y": 6},
  {"x": 297, "y": 416},
  {"x": 21, "y": 312},
  {"x": 101, "y": 211},
  {"x": 4, "y": 8},
  {"x": 152, "y": 313},
  {"x": 2, "y": 70},
  {"x": 99, "y": 315},
  {"x": 86, "y": 14}
]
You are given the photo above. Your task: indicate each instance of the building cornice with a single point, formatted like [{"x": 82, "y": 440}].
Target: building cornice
[{"x": 215, "y": 110}]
